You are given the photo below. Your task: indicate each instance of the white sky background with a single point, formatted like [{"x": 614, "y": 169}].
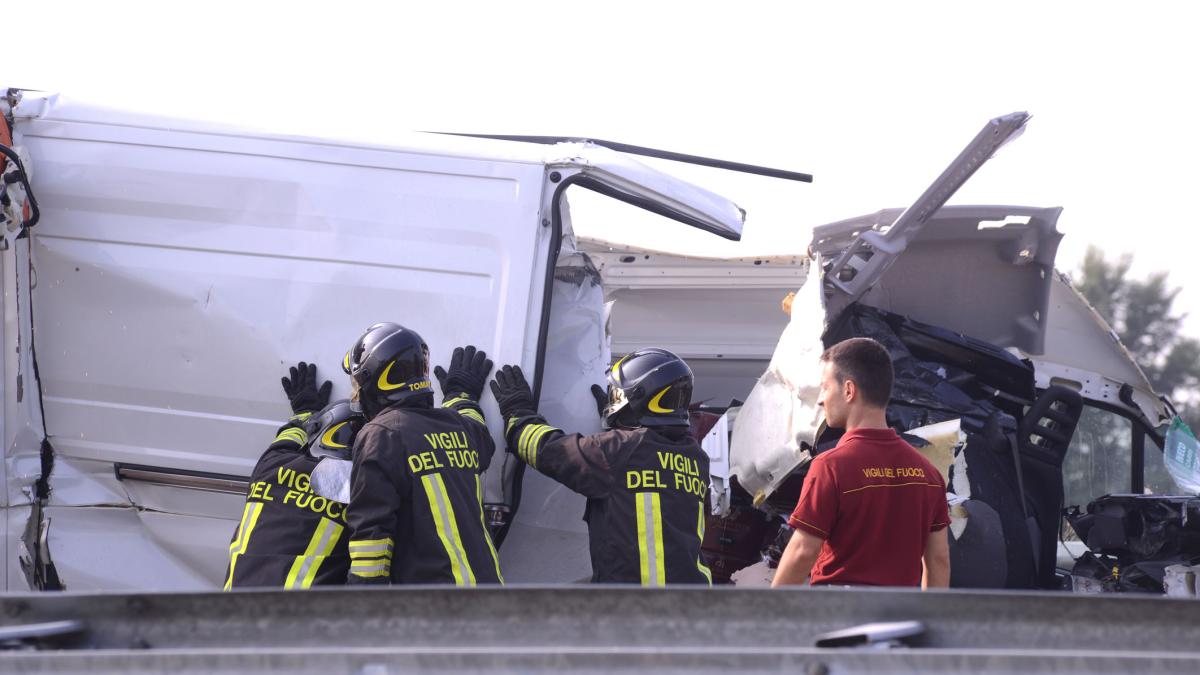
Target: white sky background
[{"x": 873, "y": 99}]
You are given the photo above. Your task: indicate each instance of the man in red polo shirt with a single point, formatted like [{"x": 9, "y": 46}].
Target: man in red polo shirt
[{"x": 872, "y": 509}]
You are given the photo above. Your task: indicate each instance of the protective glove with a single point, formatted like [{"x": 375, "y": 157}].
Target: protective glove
[
  {"x": 512, "y": 393},
  {"x": 301, "y": 389},
  {"x": 468, "y": 373},
  {"x": 601, "y": 395}
]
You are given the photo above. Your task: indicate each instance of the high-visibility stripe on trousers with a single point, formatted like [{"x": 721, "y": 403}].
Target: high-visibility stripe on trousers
[
  {"x": 650, "y": 539},
  {"x": 699, "y": 555},
  {"x": 304, "y": 569},
  {"x": 249, "y": 519},
  {"x": 447, "y": 528},
  {"x": 487, "y": 534}
]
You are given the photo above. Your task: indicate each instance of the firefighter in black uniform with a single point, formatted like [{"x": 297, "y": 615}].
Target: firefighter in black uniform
[
  {"x": 288, "y": 537},
  {"x": 646, "y": 478},
  {"x": 416, "y": 493}
]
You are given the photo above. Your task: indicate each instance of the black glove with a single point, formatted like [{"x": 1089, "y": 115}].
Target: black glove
[
  {"x": 468, "y": 373},
  {"x": 601, "y": 396},
  {"x": 512, "y": 393},
  {"x": 301, "y": 389}
]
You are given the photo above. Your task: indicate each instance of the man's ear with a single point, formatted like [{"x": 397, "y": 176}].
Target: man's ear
[{"x": 849, "y": 391}]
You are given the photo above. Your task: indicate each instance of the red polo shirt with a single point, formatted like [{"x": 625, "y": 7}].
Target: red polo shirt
[{"x": 874, "y": 499}]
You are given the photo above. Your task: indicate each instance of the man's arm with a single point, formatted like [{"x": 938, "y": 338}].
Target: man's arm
[
  {"x": 798, "y": 559},
  {"x": 578, "y": 462},
  {"x": 936, "y": 560},
  {"x": 375, "y": 499}
]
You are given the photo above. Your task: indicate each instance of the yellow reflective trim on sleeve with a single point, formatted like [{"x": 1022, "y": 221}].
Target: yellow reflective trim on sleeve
[
  {"x": 521, "y": 446},
  {"x": 380, "y": 570},
  {"x": 487, "y": 535},
  {"x": 473, "y": 414},
  {"x": 300, "y": 417},
  {"x": 304, "y": 568},
  {"x": 375, "y": 555},
  {"x": 363, "y": 543},
  {"x": 380, "y": 551},
  {"x": 450, "y": 403},
  {"x": 535, "y": 442},
  {"x": 699, "y": 554},
  {"x": 508, "y": 426},
  {"x": 242, "y": 540},
  {"x": 447, "y": 528},
  {"x": 293, "y": 434},
  {"x": 650, "y": 539}
]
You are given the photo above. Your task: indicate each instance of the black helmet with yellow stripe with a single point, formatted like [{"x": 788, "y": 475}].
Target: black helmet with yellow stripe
[
  {"x": 331, "y": 431},
  {"x": 649, "y": 387},
  {"x": 389, "y": 365}
]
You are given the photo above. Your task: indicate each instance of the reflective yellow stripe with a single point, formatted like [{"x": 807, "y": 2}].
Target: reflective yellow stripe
[
  {"x": 509, "y": 425},
  {"x": 300, "y": 417},
  {"x": 378, "y": 570},
  {"x": 527, "y": 443},
  {"x": 292, "y": 434},
  {"x": 470, "y": 413},
  {"x": 533, "y": 444},
  {"x": 245, "y": 527},
  {"x": 304, "y": 568},
  {"x": 369, "y": 544},
  {"x": 454, "y": 401},
  {"x": 699, "y": 554},
  {"x": 380, "y": 551},
  {"x": 650, "y": 539},
  {"x": 447, "y": 528},
  {"x": 487, "y": 536},
  {"x": 521, "y": 446}
]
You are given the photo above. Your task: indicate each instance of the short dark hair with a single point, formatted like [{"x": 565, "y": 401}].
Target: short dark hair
[{"x": 867, "y": 363}]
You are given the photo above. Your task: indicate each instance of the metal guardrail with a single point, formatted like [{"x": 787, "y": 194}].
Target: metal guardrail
[{"x": 601, "y": 629}]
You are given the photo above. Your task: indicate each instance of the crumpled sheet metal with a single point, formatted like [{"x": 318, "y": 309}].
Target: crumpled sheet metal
[
  {"x": 943, "y": 441},
  {"x": 780, "y": 417},
  {"x": 331, "y": 479}
]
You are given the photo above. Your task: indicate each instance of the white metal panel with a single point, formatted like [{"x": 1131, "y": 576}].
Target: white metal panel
[{"x": 176, "y": 284}]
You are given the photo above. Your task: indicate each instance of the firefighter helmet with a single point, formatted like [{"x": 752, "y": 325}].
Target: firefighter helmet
[
  {"x": 649, "y": 387},
  {"x": 388, "y": 365},
  {"x": 331, "y": 432}
]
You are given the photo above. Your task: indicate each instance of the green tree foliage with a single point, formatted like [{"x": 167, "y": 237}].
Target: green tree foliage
[{"x": 1142, "y": 313}]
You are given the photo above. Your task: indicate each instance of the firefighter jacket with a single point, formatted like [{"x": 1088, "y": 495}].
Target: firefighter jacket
[
  {"x": 416, "y": 512},
  {"x": 646, "y": 491},
  {"x": 288, "y": 536}
]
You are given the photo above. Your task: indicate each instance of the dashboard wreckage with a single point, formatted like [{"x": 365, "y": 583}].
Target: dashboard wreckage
[{"x": 167, "y": 269}]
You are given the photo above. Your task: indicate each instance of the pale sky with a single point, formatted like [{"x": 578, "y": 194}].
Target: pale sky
[{"x": 873, "y": 99}]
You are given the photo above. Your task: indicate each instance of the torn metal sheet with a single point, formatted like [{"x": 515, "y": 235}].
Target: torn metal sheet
[
  {"x": 1083, "y": 352},
  {"x": 943, "y": 441},
  {"x": 998, "y": 259},
  {"x": 867, "y": 258},
  {"x": 110, "y": 548},
  {"x": 777, "y": 424},
  {"x": 331, "y": 479},
  {"x": 547, "y": 540},
  {"x": 716, "y": 445}
]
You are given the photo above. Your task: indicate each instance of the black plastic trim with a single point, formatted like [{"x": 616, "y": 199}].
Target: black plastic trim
[{"x": 202, "y": 480}]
